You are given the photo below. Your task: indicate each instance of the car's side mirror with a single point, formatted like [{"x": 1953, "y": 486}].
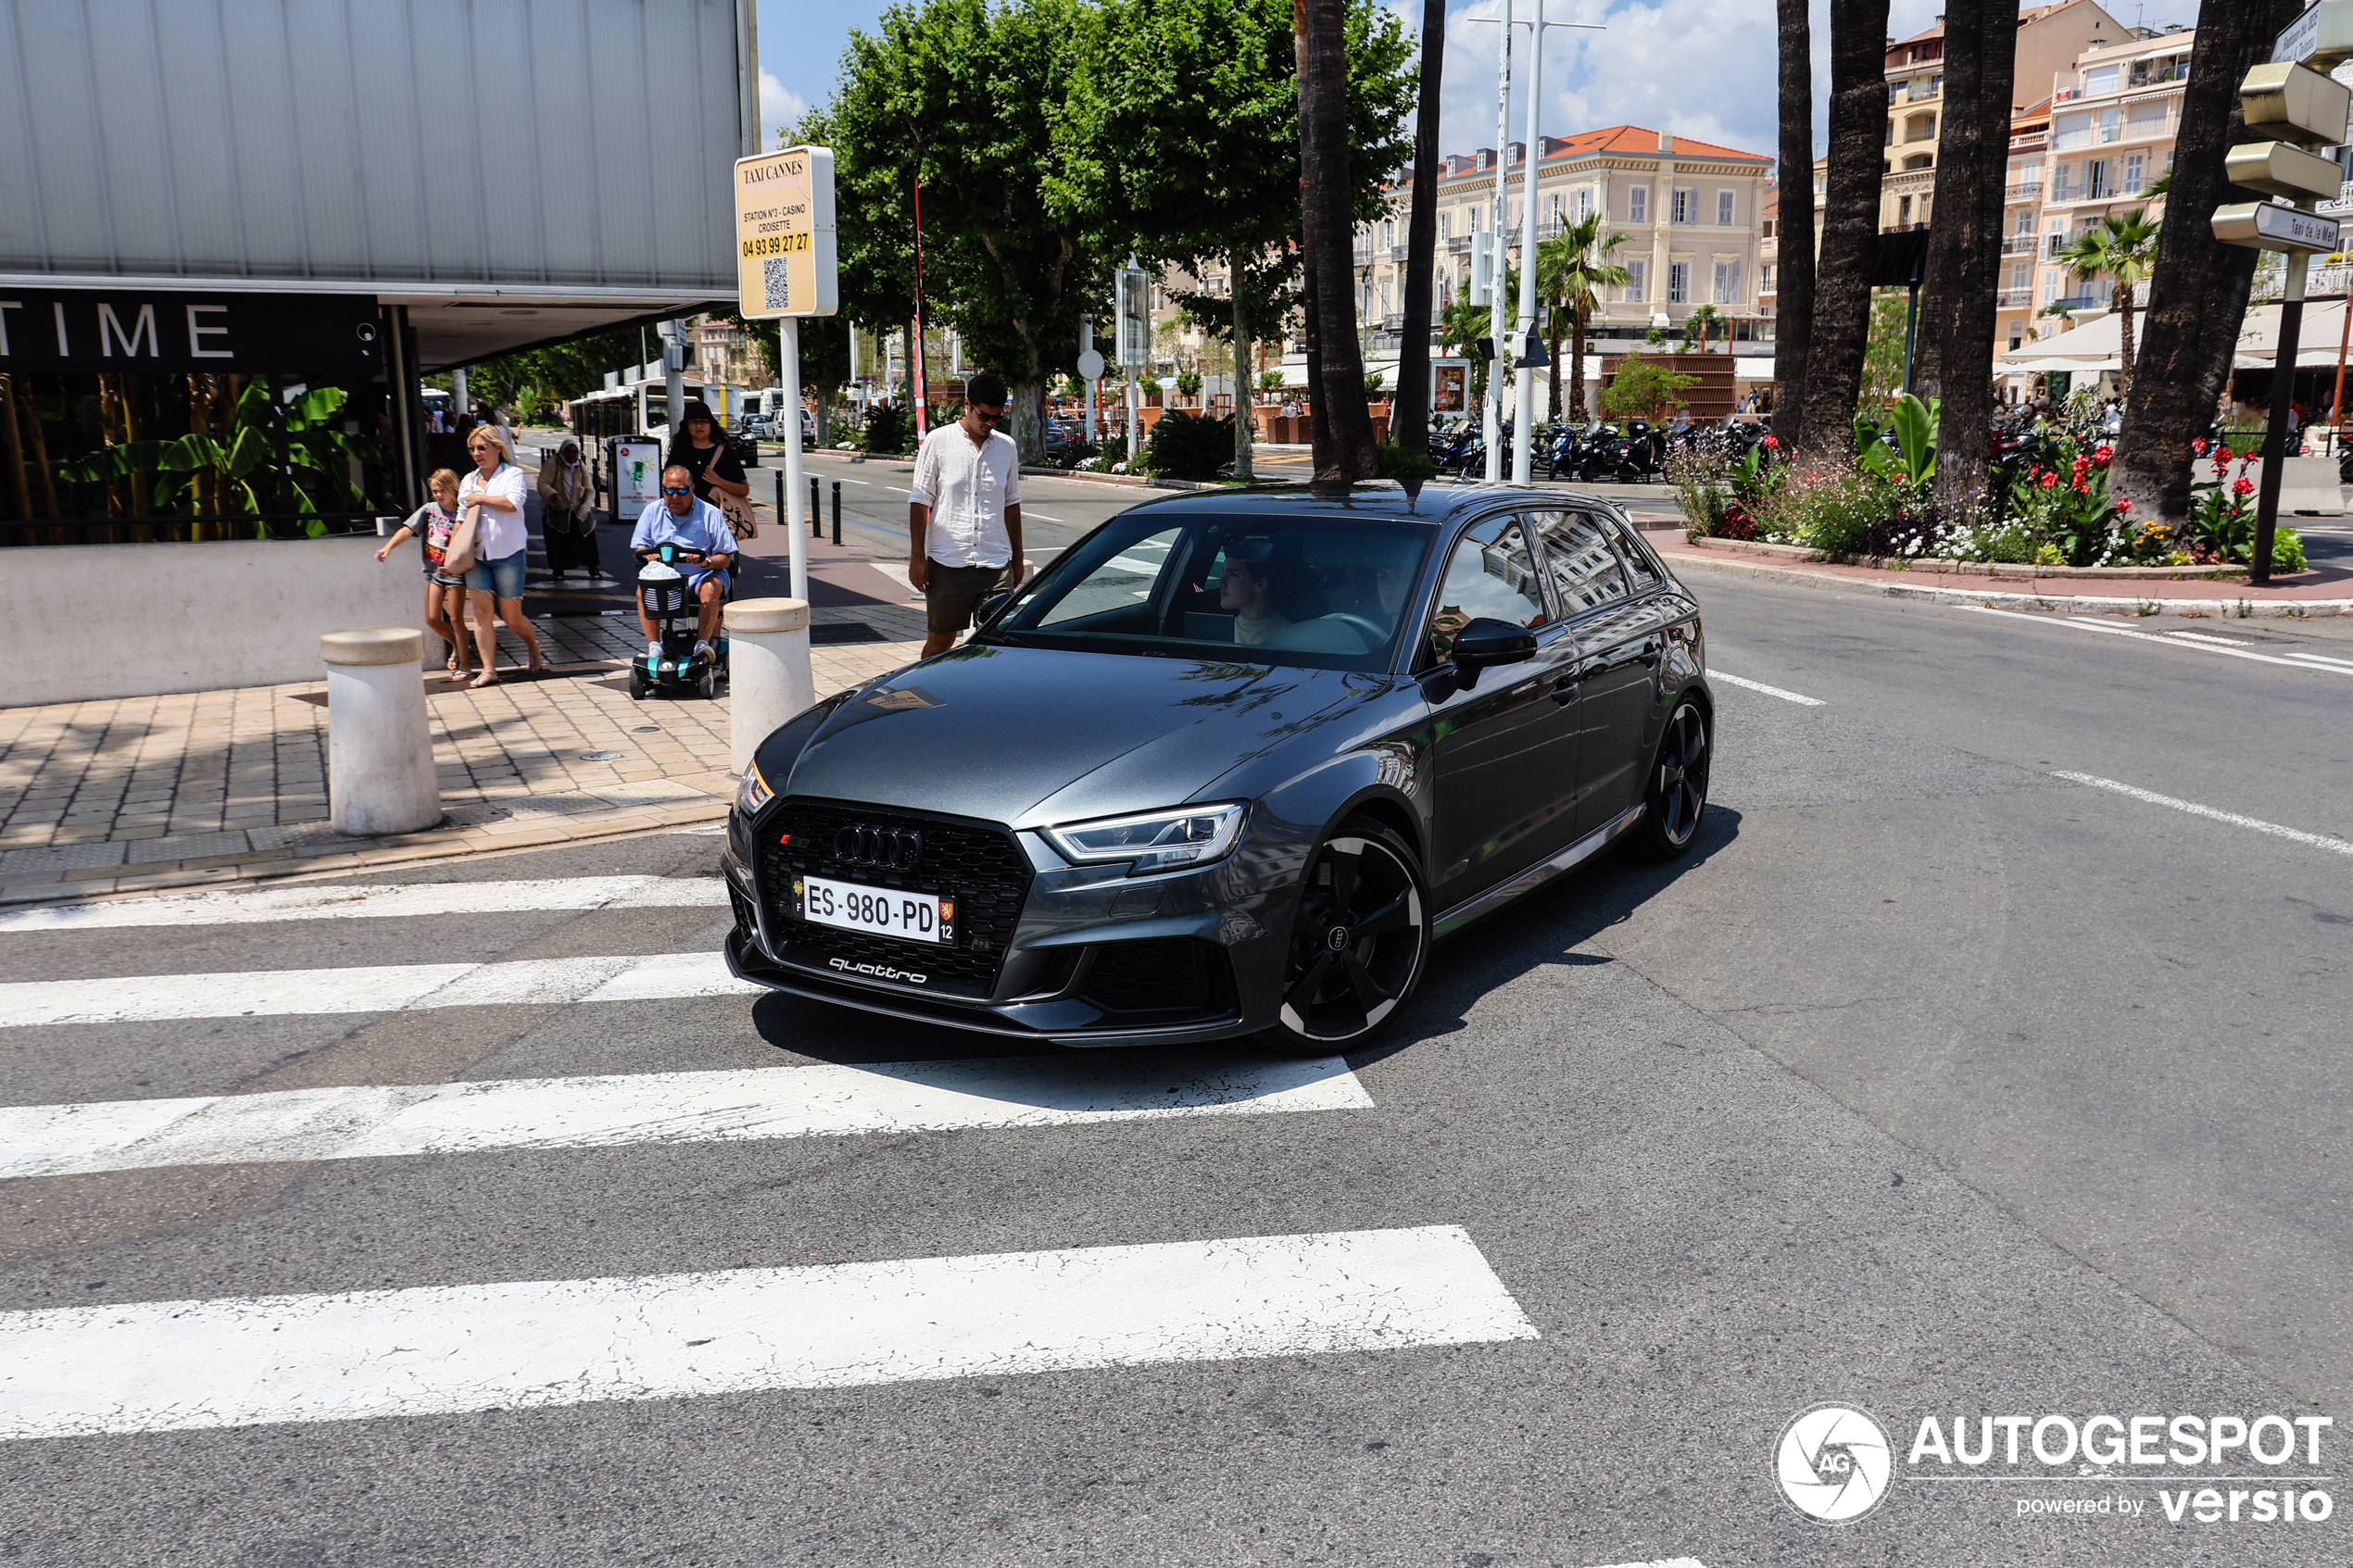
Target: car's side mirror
[
  {"x": 1486, "y": 643},
  {"x": 989, "y": 606}
]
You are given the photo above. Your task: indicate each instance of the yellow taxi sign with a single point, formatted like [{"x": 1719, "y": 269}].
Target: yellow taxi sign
[{"x": 785, "y": 263}]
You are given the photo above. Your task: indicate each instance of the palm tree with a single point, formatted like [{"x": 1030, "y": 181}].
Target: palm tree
[
  {"x": 1793, "y": 172},
  {"x": 1569, "y": 266},
  {"x": 2125, "y": 250},
  {"x": 1850, "y": 224},
  {"x": 1702, "y": 318},
  {"x": 1345, "y": 451}
]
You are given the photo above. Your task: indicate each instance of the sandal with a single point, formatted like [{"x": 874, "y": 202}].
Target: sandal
[{"x": 485, "y": 679}]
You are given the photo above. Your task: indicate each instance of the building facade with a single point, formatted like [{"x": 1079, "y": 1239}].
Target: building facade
[{"x": 1690, "y": 214}]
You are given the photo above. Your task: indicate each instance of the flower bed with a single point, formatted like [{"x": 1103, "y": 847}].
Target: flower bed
[{"x": 2047, "y": 506}]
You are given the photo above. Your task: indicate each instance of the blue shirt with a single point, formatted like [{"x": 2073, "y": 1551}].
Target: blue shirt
[{"x": 703, "y": 528}]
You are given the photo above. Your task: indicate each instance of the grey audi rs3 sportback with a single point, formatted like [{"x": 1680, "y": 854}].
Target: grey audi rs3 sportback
[{"x": 1230, "y": 766}]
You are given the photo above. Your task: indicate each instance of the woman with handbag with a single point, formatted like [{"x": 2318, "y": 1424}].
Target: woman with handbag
[
  {"x": 719, "y": 473},
  {"x": 491, "y": 529},
  {"x": 568, "y": 513}
]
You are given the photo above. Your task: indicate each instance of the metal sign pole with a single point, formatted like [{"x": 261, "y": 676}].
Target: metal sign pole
[
  {"x": 2275, "y": 453},
  {"x": 789, "y": 376}
]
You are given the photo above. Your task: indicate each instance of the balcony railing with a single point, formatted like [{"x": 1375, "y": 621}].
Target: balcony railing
[
  {"x": 2024, "y": 190},
  {"x": 2019, "y": 245},
  {"x": 2010, "y": 299}
]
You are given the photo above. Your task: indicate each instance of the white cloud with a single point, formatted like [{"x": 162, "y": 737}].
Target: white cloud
[{"x": 779, "y": 108}]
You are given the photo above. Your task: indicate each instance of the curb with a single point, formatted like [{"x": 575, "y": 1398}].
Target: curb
[
  {"x": 2000, "y": 571},
  {"x": 2281, "y": 608},
  {"x": 362, "y": 855}
]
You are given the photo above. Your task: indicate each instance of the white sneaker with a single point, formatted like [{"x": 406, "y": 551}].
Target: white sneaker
[
  {"x": 702, "y": 649},
  {"x": 653, "y": 650}
]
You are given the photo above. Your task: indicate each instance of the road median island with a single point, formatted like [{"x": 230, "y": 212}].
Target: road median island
[{"x": 2175, "y": 589}]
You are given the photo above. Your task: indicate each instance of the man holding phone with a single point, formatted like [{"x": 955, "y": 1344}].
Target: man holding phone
[{"x": 964, "y": 514}]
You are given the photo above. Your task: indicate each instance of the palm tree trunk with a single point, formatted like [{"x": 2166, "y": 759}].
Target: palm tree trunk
[
  {"x": 1850, "y": 224},
  {"x": 1958, "y": 318},
  {"x": 2122, "y": 300},
  {"x": 1409, "y": 414},
  {"x": 1793, "y": 325},
  {"x": 1553, "y": 381},
  {"x": 2197, "y": 294},
  {"x": 1320, "y": 29},
  {"x": 1576, "y": 363}
]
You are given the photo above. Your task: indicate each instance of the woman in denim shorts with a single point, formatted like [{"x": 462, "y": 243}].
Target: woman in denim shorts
[{"x": 495, "y": 492}]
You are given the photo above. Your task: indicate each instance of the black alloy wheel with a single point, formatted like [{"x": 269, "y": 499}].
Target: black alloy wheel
[
  {"x": 1357, "y": 944},
  {"x": 1677, "y": 796}
]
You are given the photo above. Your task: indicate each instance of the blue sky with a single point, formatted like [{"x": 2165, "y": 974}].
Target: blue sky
[{"x": 1698, "y": 68}]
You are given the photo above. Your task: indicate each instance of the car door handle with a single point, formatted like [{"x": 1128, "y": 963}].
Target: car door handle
[
  {"x": 1653, "y": 650},
  {"x": 1564, "y": 691}
]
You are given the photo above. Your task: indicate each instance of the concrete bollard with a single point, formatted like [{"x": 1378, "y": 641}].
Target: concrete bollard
[
  {"x": 380, "y": 772},
  {"x": 768, "y": 678}
]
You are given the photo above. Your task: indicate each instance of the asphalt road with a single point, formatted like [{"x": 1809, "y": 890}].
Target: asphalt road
[{"x": 1936, "y": 1084}]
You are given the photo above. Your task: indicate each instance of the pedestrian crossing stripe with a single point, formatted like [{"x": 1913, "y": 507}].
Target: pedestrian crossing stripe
[
  {"x": 145, "y": 999},
  {"x": 343, "y": 901},
  {"x": 160, "y": 1366},
  {"x": 824, "y": 1100}
]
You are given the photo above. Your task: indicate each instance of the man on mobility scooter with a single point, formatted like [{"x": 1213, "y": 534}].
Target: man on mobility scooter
[{"x": 693, "y": 534}]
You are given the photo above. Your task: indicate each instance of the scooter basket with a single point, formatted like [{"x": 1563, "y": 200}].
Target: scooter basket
[{"x": 666, "y": 598}]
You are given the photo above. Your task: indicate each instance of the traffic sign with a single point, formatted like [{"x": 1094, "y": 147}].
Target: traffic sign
[
  {"x": 2322, "y": 37},
  {"x": 1090, "y": 364},
  {"x": 2267, "y": 226},
  {"x": 785, "y": 234},
  {"x": 2294, "y": 103},
  {"x": 2279, "y": 170}
]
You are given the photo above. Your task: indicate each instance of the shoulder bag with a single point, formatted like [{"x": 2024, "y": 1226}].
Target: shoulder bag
[{"x": 741, "y": 521}]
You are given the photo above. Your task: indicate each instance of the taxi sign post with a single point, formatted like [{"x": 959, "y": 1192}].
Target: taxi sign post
[
  {"x": 785, "y": 270},
  {"x": 2291, "y": 101}
]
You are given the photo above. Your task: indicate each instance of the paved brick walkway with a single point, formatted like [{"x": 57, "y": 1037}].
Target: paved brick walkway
[{"x": 154, "y": 791}]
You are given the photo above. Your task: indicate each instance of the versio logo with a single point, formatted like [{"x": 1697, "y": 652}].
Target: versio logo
[{"x": 1833, "y": 1464}]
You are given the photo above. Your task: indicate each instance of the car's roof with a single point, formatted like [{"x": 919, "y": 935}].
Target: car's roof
[{"x": 1438, "y": 505}]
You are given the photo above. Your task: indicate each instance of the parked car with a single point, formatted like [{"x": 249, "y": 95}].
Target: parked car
[{"x": 1228, "y": 767}]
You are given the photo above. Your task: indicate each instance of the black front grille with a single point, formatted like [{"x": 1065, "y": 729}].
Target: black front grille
[
  {"x": 980, "y": 867},
  {"x": 1170, "y": 974}
]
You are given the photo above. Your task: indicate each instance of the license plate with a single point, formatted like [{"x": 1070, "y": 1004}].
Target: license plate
[{"x": 914, "y": 917}]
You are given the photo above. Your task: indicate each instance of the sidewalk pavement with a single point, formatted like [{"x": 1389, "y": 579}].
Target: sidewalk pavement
[{"x": 226, "y": 785}]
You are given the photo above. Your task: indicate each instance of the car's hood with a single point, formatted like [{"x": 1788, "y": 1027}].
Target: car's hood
[{"x": 1026, "y": 735}]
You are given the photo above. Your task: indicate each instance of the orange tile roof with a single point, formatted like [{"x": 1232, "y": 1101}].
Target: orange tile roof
[{"x": 1641, "y": 141}]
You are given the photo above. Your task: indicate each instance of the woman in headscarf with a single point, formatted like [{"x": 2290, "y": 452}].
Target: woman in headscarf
[{"x": 568, "y": 513}]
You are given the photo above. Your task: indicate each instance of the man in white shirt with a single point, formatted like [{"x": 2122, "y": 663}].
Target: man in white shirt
[{"x": 964, "y": 514}]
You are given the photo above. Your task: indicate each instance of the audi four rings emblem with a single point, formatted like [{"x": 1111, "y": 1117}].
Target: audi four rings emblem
[{"x": 890, "y": 849}]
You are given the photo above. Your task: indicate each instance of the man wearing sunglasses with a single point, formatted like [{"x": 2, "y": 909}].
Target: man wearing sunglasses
[
  {"x": 964, "y": 514},
  {"x": 676, "y": 517}
]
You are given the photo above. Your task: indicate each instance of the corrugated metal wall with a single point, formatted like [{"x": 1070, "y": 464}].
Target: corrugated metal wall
[{"x": 518, "y": 141}]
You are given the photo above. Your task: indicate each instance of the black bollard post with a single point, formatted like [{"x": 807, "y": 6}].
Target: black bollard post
[
  {"x": 816, "y": 510},
  {"x": 836, "y": 511}
]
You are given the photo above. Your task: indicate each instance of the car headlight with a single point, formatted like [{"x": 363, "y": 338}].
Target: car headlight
[
  {"x": 753, "y": 792},
  {"x": 1155, "y": 841}
]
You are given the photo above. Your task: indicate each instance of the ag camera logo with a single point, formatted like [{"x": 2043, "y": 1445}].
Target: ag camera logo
[{"x": 1833, "y": 1464}]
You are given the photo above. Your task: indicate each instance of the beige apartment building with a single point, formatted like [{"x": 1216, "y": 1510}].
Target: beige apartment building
[{"x": 1690, "y": 212}]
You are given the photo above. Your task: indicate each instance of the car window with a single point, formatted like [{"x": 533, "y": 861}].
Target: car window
[
  {"x": 1637, "y": 560},
  {"x": 1117, "y": 581},
  {"x": 1584, "y": 568},
  {"x": 1491, "y": 574},
  {"x": 1322, "y": 590}
]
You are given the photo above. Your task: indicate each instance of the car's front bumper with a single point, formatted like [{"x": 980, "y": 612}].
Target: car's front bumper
[{"x": 1232, "y": 920}]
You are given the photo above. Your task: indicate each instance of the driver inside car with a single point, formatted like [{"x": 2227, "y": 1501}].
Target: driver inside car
[{"x": 677, "y": 518}]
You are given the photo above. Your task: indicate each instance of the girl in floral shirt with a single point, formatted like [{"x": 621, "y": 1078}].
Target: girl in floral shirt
[{"x": 444, "y": 595}]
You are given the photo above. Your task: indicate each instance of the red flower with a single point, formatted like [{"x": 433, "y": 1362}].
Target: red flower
[
  {"x": 1773, "y": 443},
  {"x": 2123, "y": 503},
  {"x": 2050, "y": 481},
  {"x": 2197, "y": 447},
  {"x": 2078, "y": 488},
  {"x": 2104, "y": 454},
  {"x": 2242, "y": 487}
]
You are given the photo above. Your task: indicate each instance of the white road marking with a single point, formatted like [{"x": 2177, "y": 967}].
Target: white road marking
[
  {"x": 2317, "y": 840},
  {"x": 2165, "y": 640},
  {"x": 867, "y": 483},
  {"x": 2208, "y": 637},
  {"x": 1665, "y": 1563},
  {"x": 162, "y": 1366},
  {"x": 375, "y": 1123},
  {"x": 1042, "y": 517},
  {"x": 142, "y": 998},
  {"x": 1769, "y": 691},
  {"x": 2322, "y": 659},
  {"x": 326, "y": 901}
]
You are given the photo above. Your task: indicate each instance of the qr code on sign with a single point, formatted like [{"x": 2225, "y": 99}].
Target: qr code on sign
[{"x": 775, "y": 280}]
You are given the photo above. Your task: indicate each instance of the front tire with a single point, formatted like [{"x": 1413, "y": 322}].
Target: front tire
[
  {"x": 1358, "y": 943},
  {"x": 1676, "y": 795}
]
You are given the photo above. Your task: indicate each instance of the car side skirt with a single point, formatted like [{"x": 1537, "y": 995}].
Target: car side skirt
[{"x": 1536, "y": 876}]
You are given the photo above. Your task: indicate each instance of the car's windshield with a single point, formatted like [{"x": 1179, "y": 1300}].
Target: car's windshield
[{"x": 1323, "y": 591}]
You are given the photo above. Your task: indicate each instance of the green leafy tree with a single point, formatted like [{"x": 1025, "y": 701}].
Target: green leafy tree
[
  {"x": 1643, "y": 389},
  {"x": 963, "y": 96},
  {"x": 236, "y": 472},
  {"x": 1696, "y": 326},
  {"x": 1181, "y": 145},
  {"x": 1570, "y": 268},
  {"x": 2123, "y": 250},
  {"x": 1882, "y": 354}
]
